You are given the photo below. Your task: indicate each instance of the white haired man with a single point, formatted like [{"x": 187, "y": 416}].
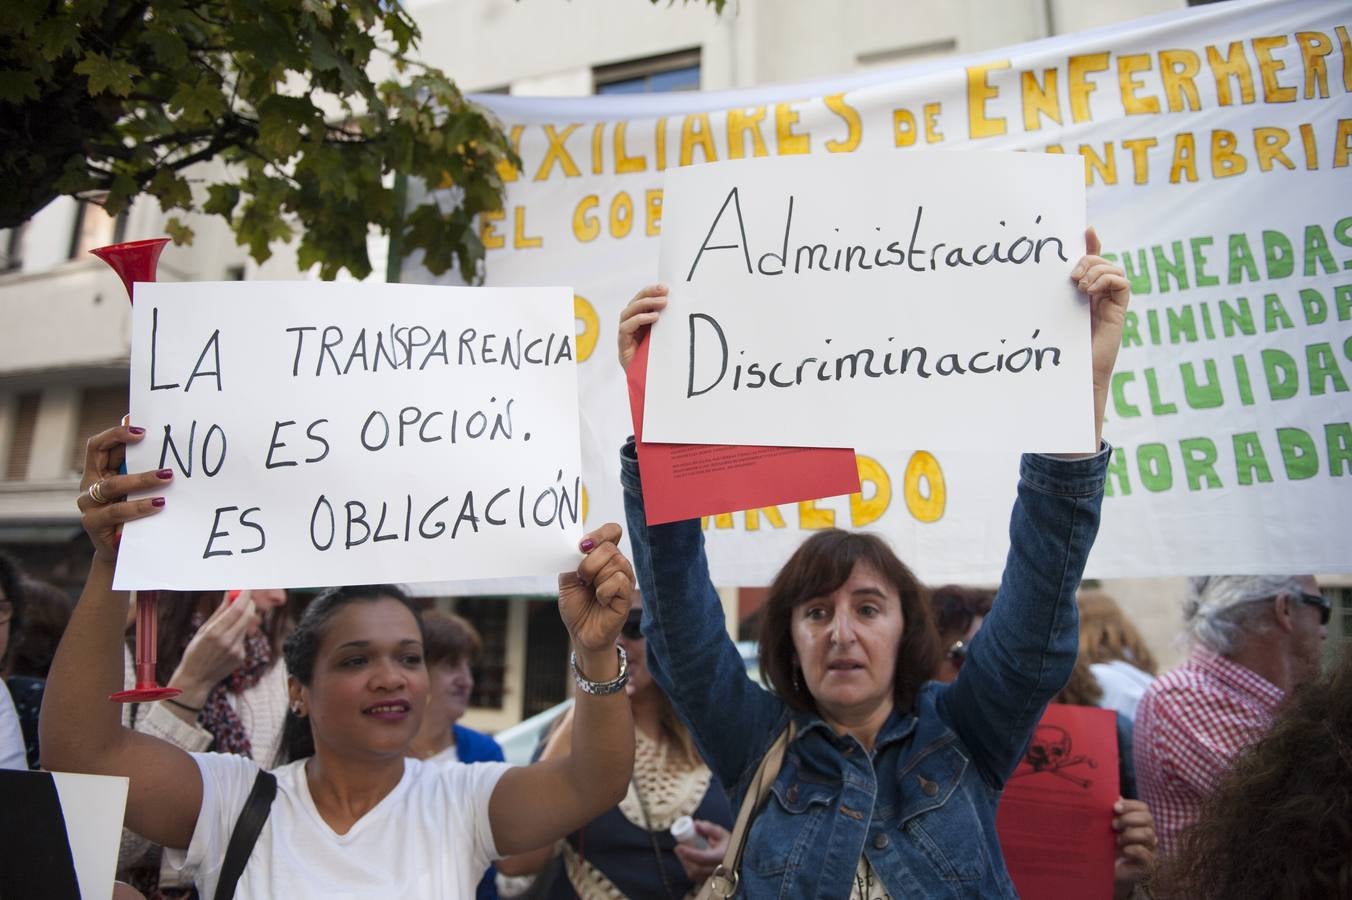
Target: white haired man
[{"x": 1255, "y": 638}]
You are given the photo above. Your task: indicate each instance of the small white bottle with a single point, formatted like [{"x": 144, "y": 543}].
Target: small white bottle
[{"x": 683, "y": 830}]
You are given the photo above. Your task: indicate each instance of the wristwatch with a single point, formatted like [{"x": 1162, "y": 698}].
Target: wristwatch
[{"x": 601, "y": 688}]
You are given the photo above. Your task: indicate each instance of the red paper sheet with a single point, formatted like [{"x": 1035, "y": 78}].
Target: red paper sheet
[
  {"x": 685, "y": 481},
  {"x": 1055, "y": 819}
]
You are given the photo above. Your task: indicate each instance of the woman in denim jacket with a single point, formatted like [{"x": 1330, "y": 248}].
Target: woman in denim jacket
[{"x": 890, "y": 786}]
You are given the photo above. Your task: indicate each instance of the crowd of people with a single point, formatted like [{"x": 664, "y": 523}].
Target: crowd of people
[{"x": 319, "y": 752}]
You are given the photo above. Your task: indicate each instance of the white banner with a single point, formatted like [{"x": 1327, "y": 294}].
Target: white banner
[
  {"x": 1215, "y": 144},
  {"x": 341, "y": 433},
  {"x": 951, "y": 302}
]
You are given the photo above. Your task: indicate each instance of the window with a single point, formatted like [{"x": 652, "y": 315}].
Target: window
[
  {"x": 655, "y": 74},
  {"x": 11, "y": 249},
  {"x": 547, "y": 677},
  {"x": 95, "y": 228},
  {"x": 100, "y": 408},
  {"x": 897, "y": 56},
  {"x": 488, "y": 615},
  {"x": 21, "y": 438}
]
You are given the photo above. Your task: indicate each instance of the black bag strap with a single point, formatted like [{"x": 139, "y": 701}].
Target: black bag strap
[{"x": 247, "y": 828}]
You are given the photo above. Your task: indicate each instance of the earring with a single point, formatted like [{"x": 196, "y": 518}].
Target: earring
[
  {"x": 797, "y": 680},
  {"x": 295, "y": 710}
]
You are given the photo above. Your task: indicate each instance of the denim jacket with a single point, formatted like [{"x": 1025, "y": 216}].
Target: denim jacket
[{"x": 922, "y": 806}]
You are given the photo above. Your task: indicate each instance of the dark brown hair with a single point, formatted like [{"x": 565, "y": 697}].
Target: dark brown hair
[
  {"x": 11, "y": 583},
  {"x": 47, "y": 609},
  {"x": 820, "y": 565},
  {"x": 956, "y": 607},
  {"x": 448, "y": 639},
  {"x": 1279, "y": 824}
]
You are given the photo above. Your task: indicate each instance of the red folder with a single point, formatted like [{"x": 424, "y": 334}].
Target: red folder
[
  {"x": 1055, "y": 819},
  {"x": 685, "y": 481}
]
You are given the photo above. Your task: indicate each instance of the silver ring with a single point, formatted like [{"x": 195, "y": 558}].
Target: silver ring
[{"x": 96, "y": 494}]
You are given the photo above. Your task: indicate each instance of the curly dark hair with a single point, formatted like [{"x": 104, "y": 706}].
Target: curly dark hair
[
  {"x": 1279, "y": 825},
  {"x": 821, "y": 564}
]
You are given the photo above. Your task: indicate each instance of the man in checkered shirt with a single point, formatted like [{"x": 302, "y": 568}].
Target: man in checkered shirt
[{"x": 1255, "y": 638}]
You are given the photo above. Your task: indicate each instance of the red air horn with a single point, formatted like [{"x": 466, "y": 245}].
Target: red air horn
[{"x": 136, "y": 261}]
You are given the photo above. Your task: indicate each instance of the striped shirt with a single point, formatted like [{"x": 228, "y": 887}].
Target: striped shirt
[{"x": 1190, "y": 726}]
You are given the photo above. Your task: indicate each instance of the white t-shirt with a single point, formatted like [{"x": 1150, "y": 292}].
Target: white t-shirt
[
  {"x": 13, "y": 754},
  {"x": 1123, "y": 686},
  {"x": 428, "y": 838}
]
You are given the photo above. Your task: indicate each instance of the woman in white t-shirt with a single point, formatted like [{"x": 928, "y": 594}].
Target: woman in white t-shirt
[{"x": 357, "y": 818}]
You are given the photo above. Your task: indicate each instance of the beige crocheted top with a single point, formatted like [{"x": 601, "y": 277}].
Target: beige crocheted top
[{"x": 668, "y": 790}]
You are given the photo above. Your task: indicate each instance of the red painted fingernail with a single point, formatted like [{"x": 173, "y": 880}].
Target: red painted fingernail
[
  {"x": 166, "y": 474},
  {"x": 587, "y": 545},
  {"x": 158, "y": 501},
  {"x": 136, "y": 429}
]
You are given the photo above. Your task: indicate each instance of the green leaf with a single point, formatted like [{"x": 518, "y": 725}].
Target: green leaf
[
  {"x": 21, "y": 18},
  {"x": 87, "y": 9},
  {"x": 57, "y": 35},
  {"x": 16, "y": 87},
  {"x": 120, "y": 193},
  {"x": 221, "y": 200},
  {"x": 321, "y": 12},
  {"x": 180, "y": 232},
  {"x": 113, "y": 76},
  {"x": 200, "y": 101},
  {"x": 171, "y": 190},
  {"x": 170, "y": 50},
  {"x": 283, "y": 123}
]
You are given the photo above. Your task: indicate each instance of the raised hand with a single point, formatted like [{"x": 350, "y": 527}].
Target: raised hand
[
  {"x": 594, "y": 600},
  {"x": 1109, "y": 292},
  {"x": 635, "y": 318},
  {"x": 216, "y": 650},
  {"x": 103, "y": 502}
]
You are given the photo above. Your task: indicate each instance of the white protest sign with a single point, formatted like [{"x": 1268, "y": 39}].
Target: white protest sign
[
  {"x": 949, "y": 308},
  {"x": 93, "y": 807},
  {"x": 325, "y": 433}
]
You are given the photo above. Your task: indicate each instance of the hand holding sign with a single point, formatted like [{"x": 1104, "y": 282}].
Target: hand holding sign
[
  {"x": 594, "y": 600},
  {"x": 683, "y": 481},
  {"x": 1109, "y": 292},
  {"x": 636, "y": 318},
  {"x": 103, "y": 503}
]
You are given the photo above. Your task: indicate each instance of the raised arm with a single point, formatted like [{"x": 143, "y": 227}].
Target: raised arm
[
  {"x": 1026, "y": 649},
  {"x": 535, "y": 805},
  {"x": 81, "y": 731},
  {"x": 690, "y": 653}
]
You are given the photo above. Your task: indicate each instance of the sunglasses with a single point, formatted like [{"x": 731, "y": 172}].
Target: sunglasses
[
  {"x": 1324, "y": 604},
  {"x": 631, "y": 629}
]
